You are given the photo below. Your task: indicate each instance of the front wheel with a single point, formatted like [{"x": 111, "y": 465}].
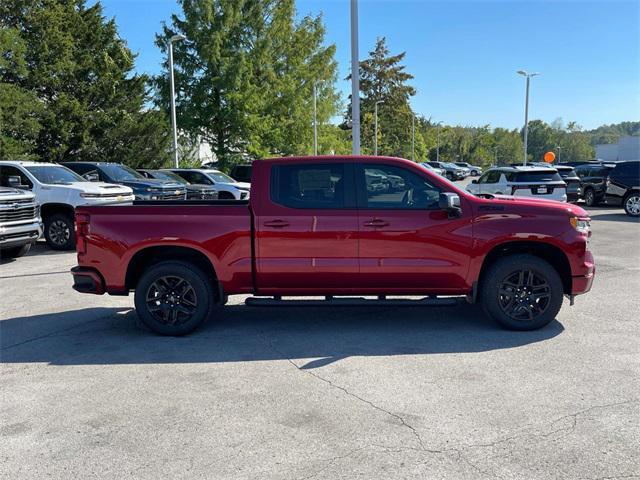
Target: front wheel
[
  {"x": 59, "y": 232},
  {"x": 522, "y": 292},
  {"x": 15, "y": 252},
  {"x": 632, "y": 204},
  {"x": 590, "y": 198},
  {"x": 174, "y": 298}
]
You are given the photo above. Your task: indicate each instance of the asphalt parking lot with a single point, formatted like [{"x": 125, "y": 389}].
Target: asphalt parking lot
[{"x": 300, "y": 393}]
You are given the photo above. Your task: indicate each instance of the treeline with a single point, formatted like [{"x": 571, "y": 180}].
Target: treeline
[{"x": 245, "y": 77}]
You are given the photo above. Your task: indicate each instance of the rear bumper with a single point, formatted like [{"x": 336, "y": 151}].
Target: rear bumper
[{"x": 87, "y": 280}]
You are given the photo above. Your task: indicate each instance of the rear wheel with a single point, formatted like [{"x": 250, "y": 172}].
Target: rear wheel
[
  {"x": 522, "y": 292},
  {"x": 15, "y": 252},
  {"x": 632, "y": 204},
  {"x": 590, "y": 197},
  {"x": 59, "y": 232},
  {"x": 174, "y": 298}
]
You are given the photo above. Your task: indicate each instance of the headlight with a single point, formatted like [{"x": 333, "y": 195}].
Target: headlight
[
  {"x": 582, "y": 225},
  {"x": 90, "y": 195}
]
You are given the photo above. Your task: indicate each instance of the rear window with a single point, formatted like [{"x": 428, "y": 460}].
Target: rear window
[
  {"x": 536, "y": 177},
  {"x": 308, "y": 185}
]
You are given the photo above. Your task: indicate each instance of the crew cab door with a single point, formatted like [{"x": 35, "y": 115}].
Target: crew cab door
[
  {"x": 306, "y": 227},
  {"x": 407, "y": 243}
]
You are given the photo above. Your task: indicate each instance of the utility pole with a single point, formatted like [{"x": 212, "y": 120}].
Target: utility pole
[
  {"x": 172, "y": 94},
  {"x": 528, "y": 76},
  {"x": 315, "y": 121},
  {"x": 413, "y": 137},
  {"x": 375, "y": 127},
  {"x": 355, "y": 80},
  {"x": 438, "y": 144}
]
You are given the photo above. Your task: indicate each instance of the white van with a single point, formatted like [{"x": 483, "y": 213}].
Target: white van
[{"x": 58, "y": 191}]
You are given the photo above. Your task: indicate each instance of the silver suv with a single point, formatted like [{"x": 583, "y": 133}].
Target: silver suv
[{"x": 20, "y": 223}]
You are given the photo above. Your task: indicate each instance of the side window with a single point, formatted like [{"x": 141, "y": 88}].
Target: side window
[
  {"x": 7, "y": 171},
  {"x": 197, "y": 177},
  {"x": 308, "y": 185},
  {"x": 390, "y": 187},
  {"x": 483, "y": 177},
  {"x": 492, "y": 177}
]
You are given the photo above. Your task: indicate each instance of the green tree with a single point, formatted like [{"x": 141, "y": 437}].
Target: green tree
[
  {"x": 80, "y": 72},
  {"x": 245, "y": 76}
]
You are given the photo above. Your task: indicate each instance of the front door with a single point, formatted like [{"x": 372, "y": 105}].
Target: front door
[
  {"x": 407, "y": 243},
  {"x": 306, "y": 228}
]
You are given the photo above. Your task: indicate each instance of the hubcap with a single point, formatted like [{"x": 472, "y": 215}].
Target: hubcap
[
  {"x": 633, "y": 205},
  {"x": 171, "y": 300},
  {"x": 59, "y": 232},
  {"x": 524, "y": 295}
]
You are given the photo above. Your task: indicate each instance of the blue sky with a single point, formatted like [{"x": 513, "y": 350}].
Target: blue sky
[{"x": 464, "y": 54}]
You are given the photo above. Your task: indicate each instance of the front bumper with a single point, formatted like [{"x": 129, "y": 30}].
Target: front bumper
[
  {"x": 582, "y": 283},
  {"x": 87, "y": 280},
  {"x": 15, "y": 235}
]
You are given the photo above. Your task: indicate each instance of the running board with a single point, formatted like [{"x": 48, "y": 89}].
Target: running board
[{"x": 352, "y": 302}]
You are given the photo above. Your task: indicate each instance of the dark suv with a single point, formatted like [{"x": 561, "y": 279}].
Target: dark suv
[
  {"x": 623, "y": 187},
  {"x": 593, "y": 182},
  {"x": 572, "y": 180}
]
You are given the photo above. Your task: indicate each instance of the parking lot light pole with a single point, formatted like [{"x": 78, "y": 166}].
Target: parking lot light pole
[
  {"x": 438, "y": 144},
  {"x": 315, "y": 120},
  {"x": 413, "y": 137},
  {"x": 355, "y": 81},
  {"x": 375, "y": 128},
  {"x": 172, "y": 95},
  {"x": 559, "y": 148},
  {"x": 528, "y": 76}
]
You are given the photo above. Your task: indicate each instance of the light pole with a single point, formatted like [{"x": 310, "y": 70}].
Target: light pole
[
  {"x": 438, "y": 144},
  {"x": 559, "y": 148},
  {"x": 526, "y": 109},
  {"x": 172, "y": 95},
  {"x": 495, "y": 156},
  {"x": 315, "y": 120},
  {"x": 375, "y": 128},
  {"x": 355, "y": 80},
  {"x": 413, "y": 137}
]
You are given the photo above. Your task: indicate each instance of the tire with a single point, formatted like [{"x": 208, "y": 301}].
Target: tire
[
  {"x": 527, "y": 277},
  {"x": 449, "y": 176},
  {"x": 15, "y": 252},
  {"x": 590, "y": 197},
  {"x": 174, "y": 312},
  {"x": 59, "y": 232},
  {"x": 632, "y": 204}
]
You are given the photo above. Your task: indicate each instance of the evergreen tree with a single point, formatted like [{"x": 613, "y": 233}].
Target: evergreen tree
[{"x": 80, "y": 73}]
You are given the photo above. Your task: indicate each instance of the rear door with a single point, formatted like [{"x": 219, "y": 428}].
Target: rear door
[
  {"x": 306, "y": 227},
  {"x": 407, "y": 243}
]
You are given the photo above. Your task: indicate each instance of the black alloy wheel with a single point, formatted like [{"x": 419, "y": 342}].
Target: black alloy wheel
[{"x": 524, "y": 295}]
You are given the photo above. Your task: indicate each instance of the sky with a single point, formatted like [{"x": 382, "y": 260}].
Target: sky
[{"x": 464, "y": 54}]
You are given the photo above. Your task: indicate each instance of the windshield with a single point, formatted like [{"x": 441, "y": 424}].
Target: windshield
[
  {"x": 169, "y": 176},
  {"x": 54, "y": 175},
  {"x": 120, "y": 173},
  {"x": 220, "y": 177}
]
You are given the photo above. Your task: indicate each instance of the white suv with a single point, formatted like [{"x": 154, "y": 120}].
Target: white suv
[
  {"x": 58, "y": 191},
  {"x": 538, "y": 182},
  {"x": 228, "y": 188}
]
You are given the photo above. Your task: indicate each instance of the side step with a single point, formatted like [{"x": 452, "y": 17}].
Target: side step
[{"x": 330, "y": 301}]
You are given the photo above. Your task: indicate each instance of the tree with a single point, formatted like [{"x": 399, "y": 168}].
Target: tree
[
  {"x": 80, "y": 74},
  {"x": 245, "y": 76},
  {"x": 383, "y": 78}
]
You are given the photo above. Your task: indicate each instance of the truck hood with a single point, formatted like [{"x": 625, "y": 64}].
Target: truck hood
[
  {"x": 14, "y": 193},
  {"x": 92, "y": 187},
  {"x": 152, "y": 183},
  {"x": 238, "y": 185},
  {"x": 509, "y": 201}
]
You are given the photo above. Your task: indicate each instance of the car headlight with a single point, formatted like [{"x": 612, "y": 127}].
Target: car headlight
[
  {"x": 90, "y": 195},
  {"x": 582, "y": 225}
]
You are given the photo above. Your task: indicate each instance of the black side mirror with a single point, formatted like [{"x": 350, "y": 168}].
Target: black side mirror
[
  {"x": 450, "y": 202},
  {"x": 474, "y": 181},
  {"x": 14, "y": 181},
  {"x": 92, "y": 177}
]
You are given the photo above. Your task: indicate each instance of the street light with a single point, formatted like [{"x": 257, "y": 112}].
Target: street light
[
  {"x": 438, "y": 142},
  {"x": 175, "y": 38},
  {"x": 375, "y": 140},
  {"x": 315, "y": 120},
  {"x": 355, "y": 80},
  {"x": 413, "y": 137},
  {"x": 528, "y": 76},
  {"x": 559, "y": 148}
]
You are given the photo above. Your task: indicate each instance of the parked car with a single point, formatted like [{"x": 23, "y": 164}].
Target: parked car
[
  {"x": 58, "y": 191},
  {"x": 623, "y": 187},
  {"x": 20, "y": 222},
  {"x": 451, "y": 171},
  {"x": 143, "y": 188},
  {"x": 569, "y": 176},
  {"x": 525, "y": 181},
  {"x": 228, "y": 188},
  {"x": 312, "y": 227},
  {"x": 195, "y": 191},
  {"x": 474, "y": 170},
  {"x": 593, "y": 182},
  {"x": 241, "y": 173},
  {"x": 438, "y": 171}
]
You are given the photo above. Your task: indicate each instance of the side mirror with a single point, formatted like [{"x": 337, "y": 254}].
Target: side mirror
[
  {"x": 92, "y": 177},
  {"x": 450, "y": 202},
  {"x": 474, "y": 181},
  {"x": 14, "y": 181}
]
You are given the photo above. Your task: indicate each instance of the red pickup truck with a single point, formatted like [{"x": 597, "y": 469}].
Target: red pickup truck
[{"x": 337, "y": 226}]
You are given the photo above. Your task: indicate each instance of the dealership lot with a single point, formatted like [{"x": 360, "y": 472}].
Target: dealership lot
[{"x": 358, "y": 392}]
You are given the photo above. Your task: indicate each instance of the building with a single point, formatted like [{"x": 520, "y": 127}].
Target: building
[{"x": 627, "y": 148}]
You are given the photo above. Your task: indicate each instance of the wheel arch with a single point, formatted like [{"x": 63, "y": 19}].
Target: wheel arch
[
  {"x": 48, "y": 209},
  {"x": 552, "y": 254}
]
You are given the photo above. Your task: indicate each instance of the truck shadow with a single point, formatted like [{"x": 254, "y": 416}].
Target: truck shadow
[{"x": 312, "y": 337}]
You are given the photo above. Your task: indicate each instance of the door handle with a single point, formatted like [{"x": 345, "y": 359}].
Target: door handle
[
  {"x": 276, "y": 224},
  {"x": 376, "y": 223}
]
